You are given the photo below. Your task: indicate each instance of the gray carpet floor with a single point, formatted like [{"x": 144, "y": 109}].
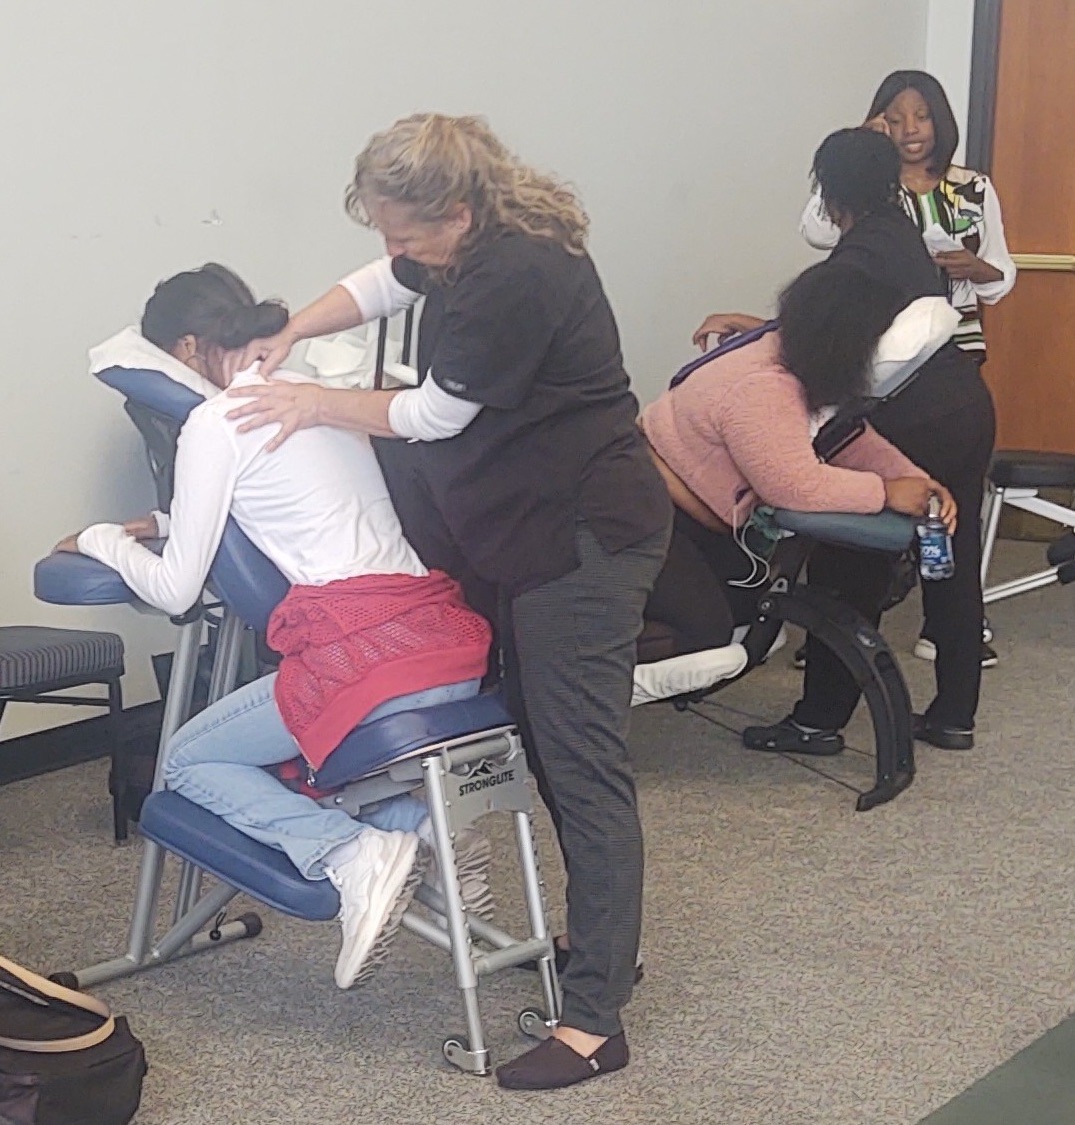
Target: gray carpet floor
[{"x": 805, "y": 964}]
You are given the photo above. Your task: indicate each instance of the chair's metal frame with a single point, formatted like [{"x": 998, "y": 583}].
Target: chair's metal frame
[
  {"x": 443, "y": 770},
  {"x": 1027, "y": 500}
]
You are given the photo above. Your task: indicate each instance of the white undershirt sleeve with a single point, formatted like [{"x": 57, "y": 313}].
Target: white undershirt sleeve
[
  {"x": 994, "y": 250},
  {"x": 816, "y": 226},
  {"x": 206, "y": 468},
  {"x": 428, "y": 413},
  {"x": 376, "y": 291}
]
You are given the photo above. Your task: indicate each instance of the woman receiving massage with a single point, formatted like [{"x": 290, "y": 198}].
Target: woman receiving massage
[
  {"x": 943, "y": 421},
  {"x": 365, "y": 630},
  {"x": 739, "y": 433}
]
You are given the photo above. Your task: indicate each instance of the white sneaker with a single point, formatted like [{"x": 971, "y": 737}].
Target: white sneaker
[
  {"x": 473, "y": 851},
  {"x": 376, "y": 886}
]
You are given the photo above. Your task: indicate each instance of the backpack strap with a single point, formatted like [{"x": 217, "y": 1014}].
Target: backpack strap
[
  {"x": 738, "y": 341},
  {"x": 46, "y": 990}
]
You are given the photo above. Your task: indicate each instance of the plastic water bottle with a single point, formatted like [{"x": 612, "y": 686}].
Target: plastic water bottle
[{"x": 936, "y": 559}]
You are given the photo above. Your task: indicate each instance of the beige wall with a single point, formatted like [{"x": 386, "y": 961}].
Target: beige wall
[{"x": 949, "y": 31}]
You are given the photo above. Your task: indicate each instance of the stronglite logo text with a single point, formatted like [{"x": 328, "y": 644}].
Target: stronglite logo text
[{"x": 483, "y": 777}]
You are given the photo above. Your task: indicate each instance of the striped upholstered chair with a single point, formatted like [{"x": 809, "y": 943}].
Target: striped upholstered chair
[{"x": 36, "y": 663}]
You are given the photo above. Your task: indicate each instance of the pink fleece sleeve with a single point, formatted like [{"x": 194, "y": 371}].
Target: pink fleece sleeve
[
  {"x": 874, "y": 454},
  {"x": 766, "y": 429}
]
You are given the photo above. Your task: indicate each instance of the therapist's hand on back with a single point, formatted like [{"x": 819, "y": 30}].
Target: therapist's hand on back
[
  {"x": 291, "y": 406},
  {"x": 911, "y": 496}
]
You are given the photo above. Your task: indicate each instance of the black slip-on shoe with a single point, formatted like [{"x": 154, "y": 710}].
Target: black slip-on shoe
[
  {"x": 787, "y": 737},
  {"x": 552, "y": 1065},
  {"x": 944, "y": 738}
]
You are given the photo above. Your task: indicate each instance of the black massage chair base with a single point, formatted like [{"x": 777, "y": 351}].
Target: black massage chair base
[{"x": 858, "y": 646}]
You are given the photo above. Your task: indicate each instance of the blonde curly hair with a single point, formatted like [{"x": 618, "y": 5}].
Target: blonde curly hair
[{"x": 433, "y": 162}]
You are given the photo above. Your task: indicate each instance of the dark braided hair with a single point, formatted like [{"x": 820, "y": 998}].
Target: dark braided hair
[{"x": 857, "y": 172}]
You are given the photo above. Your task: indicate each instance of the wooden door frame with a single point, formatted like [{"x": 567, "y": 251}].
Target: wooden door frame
[{"x": 981, "y": 111}]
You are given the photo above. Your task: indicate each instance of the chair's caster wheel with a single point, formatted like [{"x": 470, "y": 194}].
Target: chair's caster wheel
[
  {"x": 534, "y": 1024},
  {"x": 457, "y": 1051},
  {"x": 65, "y": 980}
]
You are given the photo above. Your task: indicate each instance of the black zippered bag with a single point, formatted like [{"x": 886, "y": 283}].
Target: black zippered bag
[{"x": 64, "y": 1058}]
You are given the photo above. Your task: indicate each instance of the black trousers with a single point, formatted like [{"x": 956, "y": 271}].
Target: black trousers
[
  {"x": 691, "y": 595},
  {"x": 568, "y": 651},
  {"x": 954, "y": 449},
  {"x": 569, "y": 657}
]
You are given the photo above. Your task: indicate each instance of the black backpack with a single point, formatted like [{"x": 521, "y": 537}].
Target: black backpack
[{"x": 64, "y": 1058}]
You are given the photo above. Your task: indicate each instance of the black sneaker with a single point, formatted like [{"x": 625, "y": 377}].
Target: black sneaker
[
  {"x": 944, "y": 738},
  {"x": 798, "y": 660},
  {"x": 787, "y": 737}
]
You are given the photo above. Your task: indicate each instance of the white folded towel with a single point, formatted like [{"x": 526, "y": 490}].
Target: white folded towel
[
  {"x": 923, "y": 327},
  {"x": 678, "y": 675},
  {"x": 132, "y": 350},
  {"x": 350, "y": 360}
]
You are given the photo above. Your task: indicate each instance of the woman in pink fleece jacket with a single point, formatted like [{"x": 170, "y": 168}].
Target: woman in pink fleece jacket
[{"x": 739, "y": 433}]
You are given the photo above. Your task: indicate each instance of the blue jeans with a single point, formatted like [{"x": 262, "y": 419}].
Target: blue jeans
[{"x": 216, "y": 761}]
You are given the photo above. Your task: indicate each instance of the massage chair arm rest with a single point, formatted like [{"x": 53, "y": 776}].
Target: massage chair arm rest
[
  {"x": 884, "y": 531},
  {"x": 66, "y": 578}
]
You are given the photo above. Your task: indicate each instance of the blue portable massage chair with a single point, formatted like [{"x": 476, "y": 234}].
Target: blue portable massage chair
[
  {"x": 860, "y": 647},
  {"x": 467, "y": 755}
]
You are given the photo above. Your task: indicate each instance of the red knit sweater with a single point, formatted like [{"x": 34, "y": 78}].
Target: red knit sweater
[{"x": 351, "y": 645}]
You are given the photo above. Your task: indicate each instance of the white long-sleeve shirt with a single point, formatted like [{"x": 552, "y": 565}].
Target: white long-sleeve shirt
[
  {"x": 318, "y": 507},
  {"x": 965, "y": 205},
  {"x": 426, "y": 412}
]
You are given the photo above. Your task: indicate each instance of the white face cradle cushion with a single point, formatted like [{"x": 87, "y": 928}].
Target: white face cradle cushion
[
  {"x": 678, "y": 675},
  {"x": 923, "y": 327},
  {"x": 130, "y": 349}
]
